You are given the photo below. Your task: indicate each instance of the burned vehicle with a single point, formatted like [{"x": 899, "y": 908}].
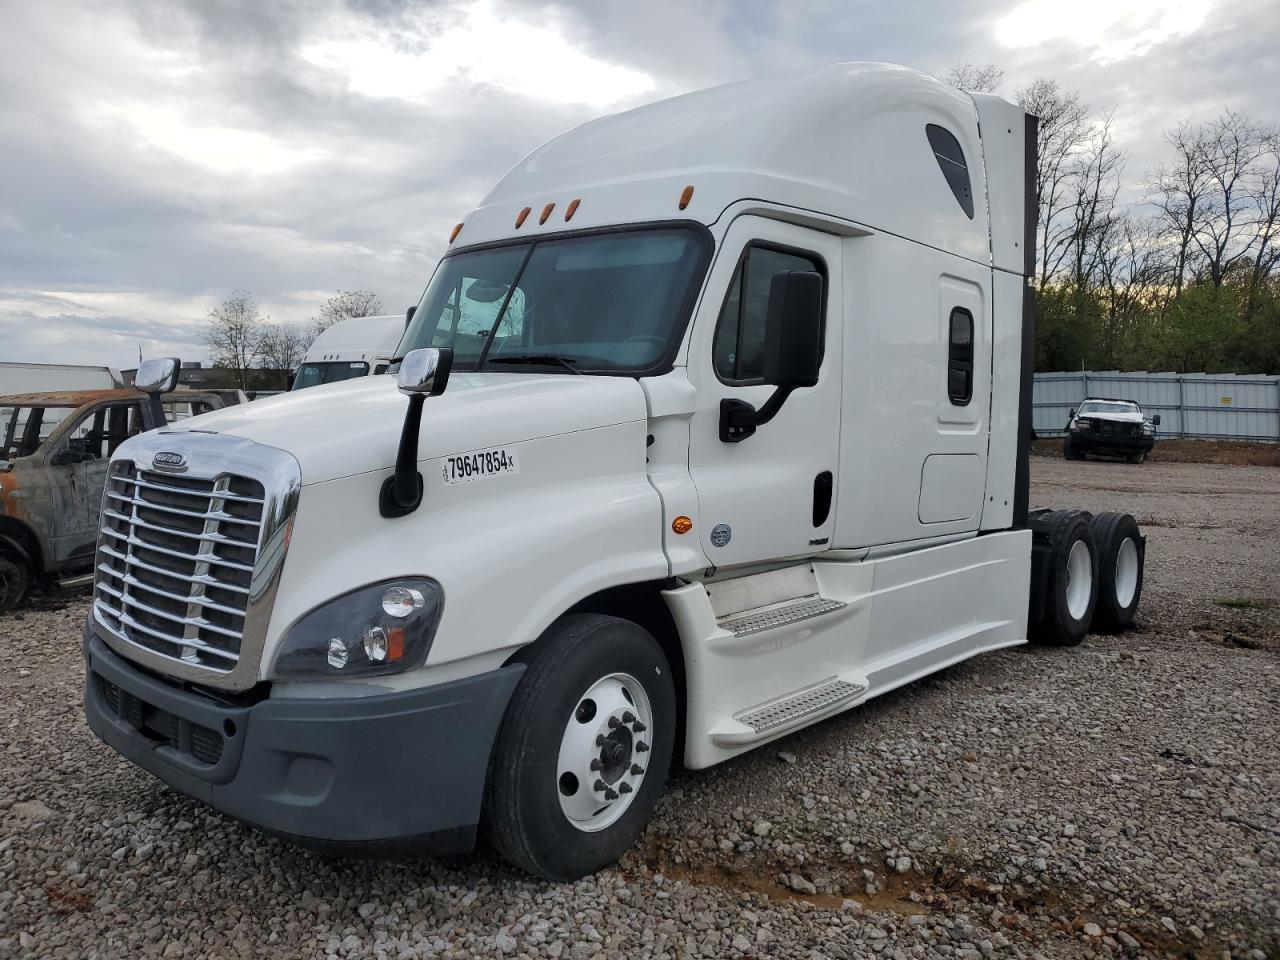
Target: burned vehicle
[
  {"x": 1115, "y": 428},
  {"x": 54, "y": 449}
]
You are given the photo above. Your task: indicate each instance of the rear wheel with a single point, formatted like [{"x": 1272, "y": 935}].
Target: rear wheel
[
  {"x": 583, "y": 750},
  {"x": 1138, "y": 456},
  {"x": 1120, "y": 571},
  {"x": 15, "y": 581},
  {"x": 1071, "y": 584}
]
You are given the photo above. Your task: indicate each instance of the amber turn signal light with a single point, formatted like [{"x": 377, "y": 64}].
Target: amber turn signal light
[{"x": 681, "y": 525}]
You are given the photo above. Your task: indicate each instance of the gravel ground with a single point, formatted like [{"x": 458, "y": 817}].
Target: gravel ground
[{"x": 1119, "y": 799}]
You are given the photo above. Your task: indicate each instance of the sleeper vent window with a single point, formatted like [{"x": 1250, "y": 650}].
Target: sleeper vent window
[
  {"x": 960, "y": 358},
  {"x": 946, "y": 150}
]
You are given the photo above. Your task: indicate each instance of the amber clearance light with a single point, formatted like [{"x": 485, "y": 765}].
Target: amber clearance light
[{"x": 681, "y": 524}]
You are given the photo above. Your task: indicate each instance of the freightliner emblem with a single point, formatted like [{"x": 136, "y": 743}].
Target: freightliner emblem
[{"x": 167, "y": 460}]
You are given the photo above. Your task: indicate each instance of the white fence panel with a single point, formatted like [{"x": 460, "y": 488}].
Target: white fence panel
[{"x": 1212, "y": 406}]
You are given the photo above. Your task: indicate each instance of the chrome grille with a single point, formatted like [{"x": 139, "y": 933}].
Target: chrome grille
[{"x": 176, "y": 559}]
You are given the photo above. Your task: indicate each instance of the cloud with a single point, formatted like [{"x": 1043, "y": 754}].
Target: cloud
[{"x": 157, "y": 156}]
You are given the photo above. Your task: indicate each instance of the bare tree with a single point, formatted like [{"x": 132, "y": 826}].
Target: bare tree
[
  {"x": 1063, "y": 129},
  {"x": 283, "y": 347},
  {"x": 975, "y": 79},
  {"x": 1094, "y": 184},
  {"x": 346, "y": 304},
  {"x": 1178, "y": 191},
  {"x": 1234, "y": 144},
  {"x": 235, "y": 335},
  {"x": 1265, "y": 190}
]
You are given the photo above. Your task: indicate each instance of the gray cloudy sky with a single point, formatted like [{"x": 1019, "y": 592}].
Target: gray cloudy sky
[{"x": 157, "y": 154}]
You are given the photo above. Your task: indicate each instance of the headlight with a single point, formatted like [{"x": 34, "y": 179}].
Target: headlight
[
  {"x": 1079, "y": 424},
  {"x": 379, "y": 629}
]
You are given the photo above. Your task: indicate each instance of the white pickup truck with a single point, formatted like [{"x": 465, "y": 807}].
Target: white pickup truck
[{"x": 712, "y": 422}]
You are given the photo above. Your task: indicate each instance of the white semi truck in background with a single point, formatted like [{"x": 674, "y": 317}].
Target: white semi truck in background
[
  {"x": 712, "y": 422},
  {"x": 356, "y": 347}
]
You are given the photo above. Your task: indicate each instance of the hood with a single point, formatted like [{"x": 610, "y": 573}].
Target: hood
[
  {"x": 1114, "y": 417},
  {"x": 354, "y": 426}
]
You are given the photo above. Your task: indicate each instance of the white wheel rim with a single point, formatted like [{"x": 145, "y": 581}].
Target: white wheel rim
[
  {"x": 604, "y": 752},
  {"x": 1126, "y": 573},
  {"x": 1079, "y": 580}
]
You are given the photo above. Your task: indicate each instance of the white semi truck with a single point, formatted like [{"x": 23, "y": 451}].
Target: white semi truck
[
  {"x": 355, "y": 347},
  {"x": 741, "y": 443}
]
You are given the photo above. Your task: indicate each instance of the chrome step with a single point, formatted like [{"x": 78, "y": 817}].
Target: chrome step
[
  {"x": 811, "y": 700},
  {"x": 767, "y": 618},
  {"x": 79, "y": 580}
]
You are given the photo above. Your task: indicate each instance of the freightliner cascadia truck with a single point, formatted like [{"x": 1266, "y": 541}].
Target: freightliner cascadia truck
[{"x": 712, "y": 422}]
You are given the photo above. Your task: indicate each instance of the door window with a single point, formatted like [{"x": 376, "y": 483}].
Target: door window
[
  {"x": 738, "y": 352},
  {"x": 99, "y": 432}
]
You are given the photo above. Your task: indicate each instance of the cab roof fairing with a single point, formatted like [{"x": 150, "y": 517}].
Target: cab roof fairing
[{"x": 846, "y": 140}]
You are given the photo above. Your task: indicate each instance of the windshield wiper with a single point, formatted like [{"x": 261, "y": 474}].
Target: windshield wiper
[{"x": 538, "y": 358}]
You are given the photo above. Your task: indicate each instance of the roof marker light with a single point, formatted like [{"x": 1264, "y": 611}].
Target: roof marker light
[
  {"x": 686, "y": 195},
  {"x": 546, "y": 212},
  {"x": 571, "y": 210},
  {"x": 453, "y": 234},
  {"x": 521, "y": 217}
]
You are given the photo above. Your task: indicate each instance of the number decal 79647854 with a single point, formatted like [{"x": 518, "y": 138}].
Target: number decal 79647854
[{"x": 465, "y": 467}]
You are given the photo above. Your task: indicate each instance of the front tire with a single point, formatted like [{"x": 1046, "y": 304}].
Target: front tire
[
  {"x": 1120, "y": 571},
  {"x": 1138, "y": 456},
  {"x": 1070, "y": 451},
  {"x": 15, "y": 581},
  {"x": 1071, "y": 585},
  {"x": 583, "y": 750}
]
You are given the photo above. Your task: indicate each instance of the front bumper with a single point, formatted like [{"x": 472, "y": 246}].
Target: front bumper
[
  {"x": 1085, "y": 440},
  {"x": 384, "y": 775}
]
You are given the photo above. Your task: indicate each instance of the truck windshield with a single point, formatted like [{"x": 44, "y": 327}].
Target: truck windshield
[
  {"x": 24, "y": 428},
  {"x": 1106, "y": 406},
  {"x": 607, "y": 303},
  {"x": 314, "y": 374}
]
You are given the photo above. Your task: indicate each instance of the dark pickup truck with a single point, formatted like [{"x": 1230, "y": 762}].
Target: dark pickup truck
[{"x": 1102, "y": 425}]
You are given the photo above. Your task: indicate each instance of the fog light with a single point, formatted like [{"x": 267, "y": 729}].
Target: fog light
[
  {"x": 402, "y": 601},
  {"x": 375, "y": 644},
  {"x": 337, "y": 656}
]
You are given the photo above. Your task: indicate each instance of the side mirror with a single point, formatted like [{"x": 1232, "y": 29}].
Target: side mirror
[
  {"x": 793, "y": 330},
  {"x": 408, "y": 316},
  {"x": 154, "y": 377},
  {"x": 158, "y": 375},
  {"x": 423, "y": 373},
  {"x": 792, "y": 351},
  {"x": 1072, "y": 414},
  {"x": 1155, "y": 421}
]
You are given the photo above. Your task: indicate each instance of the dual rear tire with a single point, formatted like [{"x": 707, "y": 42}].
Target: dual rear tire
[{"x": 1091, "y": 574}]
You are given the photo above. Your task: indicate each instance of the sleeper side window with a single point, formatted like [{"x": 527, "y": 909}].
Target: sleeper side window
[
  {"x": 738, "y": 348},
  {"x": 950, "y": 157},
  {"x": 960, "y": 357}
]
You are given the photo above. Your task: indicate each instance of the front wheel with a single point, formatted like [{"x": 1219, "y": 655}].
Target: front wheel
[
  {"x": 1138, "y": 456},
  {"x": 583, "y": 750},
  {"x": 1070, "y": 451},
  {"x": 15, "y": 581}
]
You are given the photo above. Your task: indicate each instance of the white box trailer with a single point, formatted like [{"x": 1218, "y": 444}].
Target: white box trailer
[
  {"x": 712, "y": 422},
  {"x": 18, "y": 378}
]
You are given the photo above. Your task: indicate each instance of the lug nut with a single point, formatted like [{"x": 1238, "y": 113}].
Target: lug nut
[
  {"x": 639, "y": 727},
  {"x": 599, "y": 739},
  {"x": 614, "y": 723},
  {"x": 599, "y": 785},
  {"x": 636, "y": 769},
  {"x": 628, "y": 717},
  {"x": 611, "y": 794},
  {"x": 624, "y": 787},
  {"x": 597, "y": 765},
  {"x": 641, "y": 746}
]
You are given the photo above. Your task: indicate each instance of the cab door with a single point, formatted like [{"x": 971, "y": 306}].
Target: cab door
[{"x": 772, "y": 494}]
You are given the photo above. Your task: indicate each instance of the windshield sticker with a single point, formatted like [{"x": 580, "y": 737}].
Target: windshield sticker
[{"x": 465, "y": 467}]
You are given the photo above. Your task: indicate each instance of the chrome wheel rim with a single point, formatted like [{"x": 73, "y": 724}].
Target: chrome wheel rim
[
  {"x": 1126, "y": 583},
  {"x": 604, "y": 752},
  {"x": 1079, "y": 580}
]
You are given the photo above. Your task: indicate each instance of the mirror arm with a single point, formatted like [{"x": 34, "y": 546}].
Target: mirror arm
[
  {"x": 155, "y": 410},
  {"x": 401, "y": 493},
  {"x": 739, "y": 419}
]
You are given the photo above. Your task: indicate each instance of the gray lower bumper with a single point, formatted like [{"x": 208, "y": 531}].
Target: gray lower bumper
[{"x": 389, "y": 774}]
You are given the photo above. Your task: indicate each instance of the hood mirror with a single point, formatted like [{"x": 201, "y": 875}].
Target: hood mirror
[
  {"x": 154, "y": 377},
  {"x": 423, "y": 373}
]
